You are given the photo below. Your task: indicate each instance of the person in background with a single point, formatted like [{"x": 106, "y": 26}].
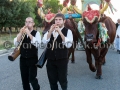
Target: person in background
[
  {"x": 117, "y": 37},
  {"x": 57, "y": 52},
  {"x": 29, "y": 54}
]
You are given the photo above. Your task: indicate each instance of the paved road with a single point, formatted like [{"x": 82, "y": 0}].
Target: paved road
[{"x": 79, "y": 75}]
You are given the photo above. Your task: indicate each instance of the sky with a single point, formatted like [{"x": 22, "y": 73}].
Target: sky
[{"x": 115, "y": 3}]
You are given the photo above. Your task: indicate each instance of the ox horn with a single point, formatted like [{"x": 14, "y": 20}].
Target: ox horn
[
  {"x": 104, "y": 8},
  {"x": 73, "y": 3},
  {"x": 64, "y": 10},
  {"x": 77, "y": 10},
  {"x": 40, "y": 13}
]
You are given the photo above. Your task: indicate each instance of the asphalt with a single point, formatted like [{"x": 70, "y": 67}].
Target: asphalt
[
  {"x": 3, "y": 51},
  {"x": 79, "y": 75}
]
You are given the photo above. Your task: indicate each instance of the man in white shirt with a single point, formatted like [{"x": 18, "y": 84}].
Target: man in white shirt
[
  {"x": 117, "y": 38},
  {"x": 58, "y": 40},
  {"x": 29, "y": 54}
]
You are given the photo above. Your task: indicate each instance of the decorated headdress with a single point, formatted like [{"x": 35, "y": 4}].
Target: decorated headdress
[{"x": 91, "y": 15}]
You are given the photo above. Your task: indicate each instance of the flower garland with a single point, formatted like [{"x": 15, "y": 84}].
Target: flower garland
[{"x": 103, "y": 35}]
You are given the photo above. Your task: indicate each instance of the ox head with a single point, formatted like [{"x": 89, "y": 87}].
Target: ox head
[
  {"x": 91, "y": 19},
  {"x": 48, "y": 19}
]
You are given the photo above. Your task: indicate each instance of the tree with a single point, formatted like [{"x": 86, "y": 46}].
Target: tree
[
  {"x": 27, "y": 8},
  {"x": 54, "y": 5},
  {"x": 13, "y": 13},
  {"x": 5, "y": 13},
  {"x": 8, "y": 10}
]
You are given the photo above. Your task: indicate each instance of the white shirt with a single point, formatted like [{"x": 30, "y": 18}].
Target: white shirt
[
  {"x": 36, "y": 41},
  {"x": 118, "y": 31},
  {"x": 68, "y": 39}
]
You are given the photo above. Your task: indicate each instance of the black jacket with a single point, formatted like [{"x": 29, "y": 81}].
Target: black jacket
[
  {"x": 27, "y": 50},
  {"x": 59, "y": 51}
]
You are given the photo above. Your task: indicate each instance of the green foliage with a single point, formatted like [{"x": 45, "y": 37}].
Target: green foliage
[
  {"x": 5, "y": 11},
  {"x": 27, "y": 8},
  {"x": 13, "y": 13},
  {"x": 54, "y": 5},
  {"x": 77, "y": 20},
  {"x": 38, "y": 20}
]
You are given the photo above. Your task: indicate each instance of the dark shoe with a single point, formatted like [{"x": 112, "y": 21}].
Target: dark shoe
[
  {"x": 117, "y": 50},
  {"x": 38, "y": 88}
]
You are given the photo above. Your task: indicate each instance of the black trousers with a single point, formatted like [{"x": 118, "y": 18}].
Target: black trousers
[
  {"x": 57, "y": 72},
  {"x": 29, "y": 73}
]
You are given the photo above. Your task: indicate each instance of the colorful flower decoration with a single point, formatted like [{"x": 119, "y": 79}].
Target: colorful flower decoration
[
  {"x": 49, "y": 17},
  {"x": 73, "y": 2},
  {"x": 40, "y": 3},
  {"x": 107, "y": 0},
  {"x": 103, "y": 35},
  {"x": 65, "y": 2},
  {"x": 91, "y": 15}
]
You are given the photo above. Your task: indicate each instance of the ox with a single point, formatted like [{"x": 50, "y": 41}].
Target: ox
[{"x": 94, "y": 45}]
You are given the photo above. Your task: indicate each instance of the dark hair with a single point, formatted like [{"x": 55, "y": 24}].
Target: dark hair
[{"x": 60, "y": 15}]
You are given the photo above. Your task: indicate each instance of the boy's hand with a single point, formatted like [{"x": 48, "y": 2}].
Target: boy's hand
[
  {"x": 52, "y": 28},
  {"x": 57, "y": 29},
  {"x": 22, "y": 30}
]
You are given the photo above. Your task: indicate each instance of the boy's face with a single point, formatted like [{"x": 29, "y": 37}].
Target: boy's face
[
  {"x": 59, "y": 21},
  {"x": 29, "y": 22}
]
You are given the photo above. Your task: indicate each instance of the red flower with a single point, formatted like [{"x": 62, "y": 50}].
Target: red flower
[
  {"x": 39, "y": 3},
  {"x": 107, "y": 0},
  {"x": 65, "y": 3},
  {"x": 90, "y": 15},
  {"x": 73, "y": 2}
]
